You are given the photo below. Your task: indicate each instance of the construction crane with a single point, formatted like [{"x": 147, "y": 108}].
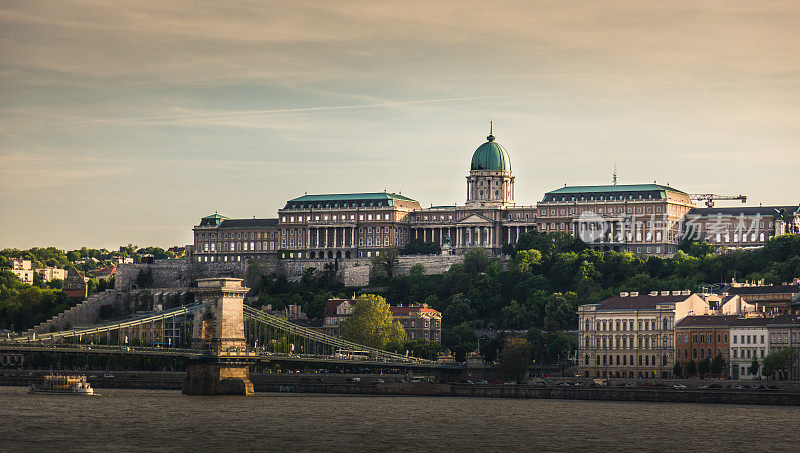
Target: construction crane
[{"x": 710, "y": 197}]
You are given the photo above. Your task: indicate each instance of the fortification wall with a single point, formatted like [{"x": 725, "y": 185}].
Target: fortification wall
[{"x": 184, "y": 274}]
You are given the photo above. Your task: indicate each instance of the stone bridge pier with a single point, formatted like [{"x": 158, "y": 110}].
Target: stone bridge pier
[{"x": 218, "y": 331}]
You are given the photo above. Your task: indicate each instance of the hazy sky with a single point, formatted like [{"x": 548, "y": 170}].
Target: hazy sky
[{"x": 128, "y": 121}]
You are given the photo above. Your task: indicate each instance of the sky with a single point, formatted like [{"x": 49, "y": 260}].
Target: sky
[{"x": 126, "y": 122}]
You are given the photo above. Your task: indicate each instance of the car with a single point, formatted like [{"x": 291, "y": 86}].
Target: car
[
  {"x": 679, "y": 387},
  {"x": 108, "y": 376},
  {"x": 377, "y": 381},
  {"x": 578, "y": 384},
  {"x": 354, "y": 379},
  {"x": 482, "y": 381},
  {"x": 703, "y": 387},
  {"x": 564, "y": 384},
  {"x": 740, "y": 387}
]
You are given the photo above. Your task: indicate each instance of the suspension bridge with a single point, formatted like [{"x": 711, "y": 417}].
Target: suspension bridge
[{"x": 220, "y": 338}]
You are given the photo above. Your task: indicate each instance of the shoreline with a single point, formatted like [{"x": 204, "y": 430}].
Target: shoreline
[{"x": 287, "y": 383}]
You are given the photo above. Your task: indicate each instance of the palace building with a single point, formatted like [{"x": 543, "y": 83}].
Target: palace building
[
  {"x": 646, "y": 219},
  {"x": 362, "y": 225}
]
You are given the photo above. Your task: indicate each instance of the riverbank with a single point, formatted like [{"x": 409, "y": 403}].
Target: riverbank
[{"x": 394, "y": 385}]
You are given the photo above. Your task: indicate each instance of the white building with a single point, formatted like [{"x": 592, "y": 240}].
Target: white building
[
  {"x": 749, "y": 342},
  {"x": 48, "y": 274},
  {"x": 23, "y": 270}
]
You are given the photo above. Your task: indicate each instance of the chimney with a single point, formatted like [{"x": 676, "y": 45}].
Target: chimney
[
  {"x": 654, "y": 293},
  {"x": 665, "y": 293},
  {"x": 623, "y": 294},
  {"x": 634, "y": 294},
  {"x": 676, "y": 293}
]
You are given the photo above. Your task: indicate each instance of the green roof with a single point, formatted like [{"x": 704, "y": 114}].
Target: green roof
[
  {"x": 491, "y": 156},
  {"x": 353, "y": 197},
  {"x": 613, "y": 188},
  {"x": 346, "y": 200},
  {"x": 212, "y": 220}
]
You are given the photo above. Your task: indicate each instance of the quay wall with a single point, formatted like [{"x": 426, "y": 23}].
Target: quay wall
[{"x": 337, "y": 384}]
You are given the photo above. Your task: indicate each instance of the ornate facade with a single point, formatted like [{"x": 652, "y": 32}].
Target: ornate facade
[{"x": 647, "y": 219}]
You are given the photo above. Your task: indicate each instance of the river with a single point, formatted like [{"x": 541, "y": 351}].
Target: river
[{"x": 141, "y": 420}]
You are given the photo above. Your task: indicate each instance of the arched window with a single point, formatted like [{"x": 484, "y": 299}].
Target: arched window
[
  {"x": 646, "y": 360},
  {"x": 617, "y": 359},
  {"x": 640, "y": 360},
  {"x": 586, "y": 360},
  {"x": 666, "y": 324},
  {"x": 664, "y": 360},
  {"x": 598, "y": 360},
  {"x": 624, "y": 360}
]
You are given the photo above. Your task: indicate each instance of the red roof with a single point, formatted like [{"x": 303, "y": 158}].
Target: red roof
[
  {"x": 406, "y": 311},
  {"x": 752, "y": 322}
]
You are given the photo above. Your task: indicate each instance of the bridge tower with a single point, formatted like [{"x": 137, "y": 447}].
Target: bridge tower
[{"x": 218, "y": 331}]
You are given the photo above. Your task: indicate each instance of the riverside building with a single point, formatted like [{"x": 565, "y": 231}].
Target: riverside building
[{"x": 632, "y": 335}]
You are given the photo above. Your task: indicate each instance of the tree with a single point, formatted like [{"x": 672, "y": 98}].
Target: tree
[
  {"x": 677, "y": 369},
  {"x": 560, "y": 313},
  {"x": 779, "y": 362},
  {"x": 717, "y": 365},
  {"x": 691, "y": 368},
  {"x": 514, "y": 316},
  {"x": 475, "y": 261},
  {"x": 515, "y": 357},
  {"x": 525, "y": 260},
  {"x": 371, "y": 323},
  {"x": 417, "y": 270},
  {"x": 754, "y": 367},
  {"x": 423, "y": 349},
  {"x": 460, "y": 339},
  {"x": 704, "y": 366},
  {"x": 386, "y": 261}
]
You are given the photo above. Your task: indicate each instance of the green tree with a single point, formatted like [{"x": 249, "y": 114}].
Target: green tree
[
  {"x": 515, "y": 357},
  {"x": 371, "y": 323},
  {"x": 691, "y": 368},
  {"x": 423, "y": 349},
  {"x": 514, "y": 316},
  {"x": 525, "y": 260},
  {"x": 677, "y": 369},
  {"x": 779, "y": 362},
  {"x": 386, "y": 261},
  {"x": 704, "y": 366},
  {"x": 754, "y": 367},
  {"x": 475, "y": 260},
  {"x": 460, "y": 340},
  {"x": 417, "y": 270},
  {"x": 560, "y": 313},
  {"x": 717, "y": 365}
]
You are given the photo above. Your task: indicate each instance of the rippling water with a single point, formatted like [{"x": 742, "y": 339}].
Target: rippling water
[{"x": 140, "y": 420}]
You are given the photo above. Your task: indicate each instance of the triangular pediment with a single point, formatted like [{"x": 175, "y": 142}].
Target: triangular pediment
[{"x": 475, "y": 219}]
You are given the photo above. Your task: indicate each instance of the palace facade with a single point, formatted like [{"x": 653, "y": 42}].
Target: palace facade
[{"x": 647, "y": 219}]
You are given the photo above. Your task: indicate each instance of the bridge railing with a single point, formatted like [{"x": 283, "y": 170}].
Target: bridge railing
[
  {"x": 314, "y": 335},
  {"x": 184, "y": 310}
]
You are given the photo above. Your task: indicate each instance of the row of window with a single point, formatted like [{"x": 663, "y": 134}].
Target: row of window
[
  {"x": 626, "y": 360},
  {"x": 623, "y": 325},
  {"x": 252, "y": 235},
  {"x": 600, "y": 210},
  {"x": 334, "y": 217},
  {"x": 626, "y": 341}
]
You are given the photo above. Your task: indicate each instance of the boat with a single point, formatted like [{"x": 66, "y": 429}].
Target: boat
[{"x": 63, "y": 384}]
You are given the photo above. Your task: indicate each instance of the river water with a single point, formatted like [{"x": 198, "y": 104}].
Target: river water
[{"x": 142, "y": 420}]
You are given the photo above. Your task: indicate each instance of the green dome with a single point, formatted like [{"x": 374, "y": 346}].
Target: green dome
[{"x": 491, "y": 156}]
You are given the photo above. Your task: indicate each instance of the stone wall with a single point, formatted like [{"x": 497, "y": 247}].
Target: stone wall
[
  {"x": 184, "y": 274},
  {"x": 112, "y": 304},
  {"x": 173, "y": 274}
]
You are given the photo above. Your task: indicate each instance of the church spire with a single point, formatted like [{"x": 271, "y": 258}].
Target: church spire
[{"x": 490, "y": 137}]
